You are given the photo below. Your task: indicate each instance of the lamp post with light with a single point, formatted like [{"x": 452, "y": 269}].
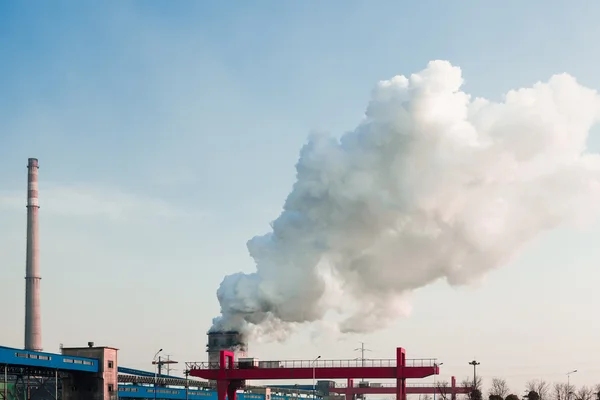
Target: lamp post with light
[
  {"x": 569, "y": 383},
  {"x": 314, "y": 368},
  {"x": 155, "y": 371},
  {"x": 434, "y": 388},
  {"x": 474, "y": 363}
]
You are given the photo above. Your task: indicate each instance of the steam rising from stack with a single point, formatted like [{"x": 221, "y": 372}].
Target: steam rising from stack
[{"x": 432, "y": 184}]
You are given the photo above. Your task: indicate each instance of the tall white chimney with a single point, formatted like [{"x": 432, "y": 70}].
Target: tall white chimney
[{"x": 33, "y": 318}]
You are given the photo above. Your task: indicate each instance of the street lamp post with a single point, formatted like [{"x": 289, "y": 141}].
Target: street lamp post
[
  {"x": 434, "y": 388},
  {"x": 474, "y": 363},
  {"x": 155, "y": 371},
  {"x": 569, "y": 383},
  {"x": 314, "y": 368}
]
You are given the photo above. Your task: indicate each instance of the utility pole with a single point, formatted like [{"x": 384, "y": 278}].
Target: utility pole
[
  {"x": 362, "y": 354},
  {"x": 166, "y": 362},
  {"x": 362, "y": 350},
  {"x": 474, "y": 363}
]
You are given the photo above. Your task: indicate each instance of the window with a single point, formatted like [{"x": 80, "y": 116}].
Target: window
[
  {"x": 110, "y": 387},
  {"x": 110, "y": 364}
]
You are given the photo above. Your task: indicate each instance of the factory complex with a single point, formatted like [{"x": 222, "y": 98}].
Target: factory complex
[{"x": 92, "y": 372}]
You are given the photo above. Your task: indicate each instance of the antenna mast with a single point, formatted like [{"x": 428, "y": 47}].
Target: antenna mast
[
  {"x": 362, "y": 350},
  {"x": 166, "y": 362}
]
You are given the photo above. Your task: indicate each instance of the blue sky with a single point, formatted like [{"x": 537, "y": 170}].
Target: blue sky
[{"x": 167, "y": 134}]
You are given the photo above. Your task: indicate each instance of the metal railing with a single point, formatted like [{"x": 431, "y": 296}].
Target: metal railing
[{"x": 351, "y": 363}]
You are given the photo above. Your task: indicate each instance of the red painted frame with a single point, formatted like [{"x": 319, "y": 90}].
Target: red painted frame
[{"x": 229, "y": 378}]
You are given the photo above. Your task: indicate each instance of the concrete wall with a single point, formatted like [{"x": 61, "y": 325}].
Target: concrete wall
[{"x": 100, "y": 386}]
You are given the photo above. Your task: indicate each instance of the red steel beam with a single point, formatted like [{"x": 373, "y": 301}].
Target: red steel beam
[
  {"x": 319, "y": 373},
  {"x": 392, "y": 390},
  {"x": 229, "y": 378}
]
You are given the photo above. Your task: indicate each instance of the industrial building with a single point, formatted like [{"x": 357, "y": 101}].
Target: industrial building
[{"x": 93, "y": 372}]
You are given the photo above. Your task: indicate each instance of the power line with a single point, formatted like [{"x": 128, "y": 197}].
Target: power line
[{"x": 362, "y": 350}]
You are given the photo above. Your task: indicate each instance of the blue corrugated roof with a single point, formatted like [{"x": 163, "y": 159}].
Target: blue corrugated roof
[{"x": 25, "y": 358}]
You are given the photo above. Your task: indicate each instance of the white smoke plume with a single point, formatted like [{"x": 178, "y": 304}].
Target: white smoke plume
[{"x": 432, "y": 184}]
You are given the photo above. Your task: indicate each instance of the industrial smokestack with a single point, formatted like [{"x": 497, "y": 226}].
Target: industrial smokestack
[
  {"x": 33, "y": 320},
  {"x": 225, "y": 340}
]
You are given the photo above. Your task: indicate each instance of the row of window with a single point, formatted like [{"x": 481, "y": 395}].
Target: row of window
[
  {"x": 164, "y": 391},
  {"x": 34, "y": 356},
  {"x": 74, "y": 361},
  {"x": 135, "y": 389},
  {"x": 66, "y": 360}
]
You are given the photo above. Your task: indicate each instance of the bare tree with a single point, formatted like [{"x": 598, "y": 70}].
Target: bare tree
[
  {"x": 499, "y": 388},
  {"x": 475, "y": 390},
  {"x": 443, "y": 389},
  {"x": 559, "y": 391},
  {"x": 468, "y": 383},
  {"x": 562, "y": 390},
  {"x": 597, "y": 391},
  {"x": 584, "y": 393},
  {"x": 540, "y": 386}
]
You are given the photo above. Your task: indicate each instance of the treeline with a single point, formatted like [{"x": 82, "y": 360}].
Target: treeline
[{"x": 534, "y": 390}]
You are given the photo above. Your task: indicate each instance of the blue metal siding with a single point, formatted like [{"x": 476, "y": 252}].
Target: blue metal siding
[
  {"x": 18, "y": 357},
  {"x": 147, "y": 392}
]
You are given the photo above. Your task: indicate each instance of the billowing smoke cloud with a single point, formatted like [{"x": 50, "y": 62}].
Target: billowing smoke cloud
[{"x": 432, "y": 184}]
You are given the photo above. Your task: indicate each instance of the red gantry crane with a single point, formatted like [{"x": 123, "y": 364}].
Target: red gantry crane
[{"x": 231, "y": 375}]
